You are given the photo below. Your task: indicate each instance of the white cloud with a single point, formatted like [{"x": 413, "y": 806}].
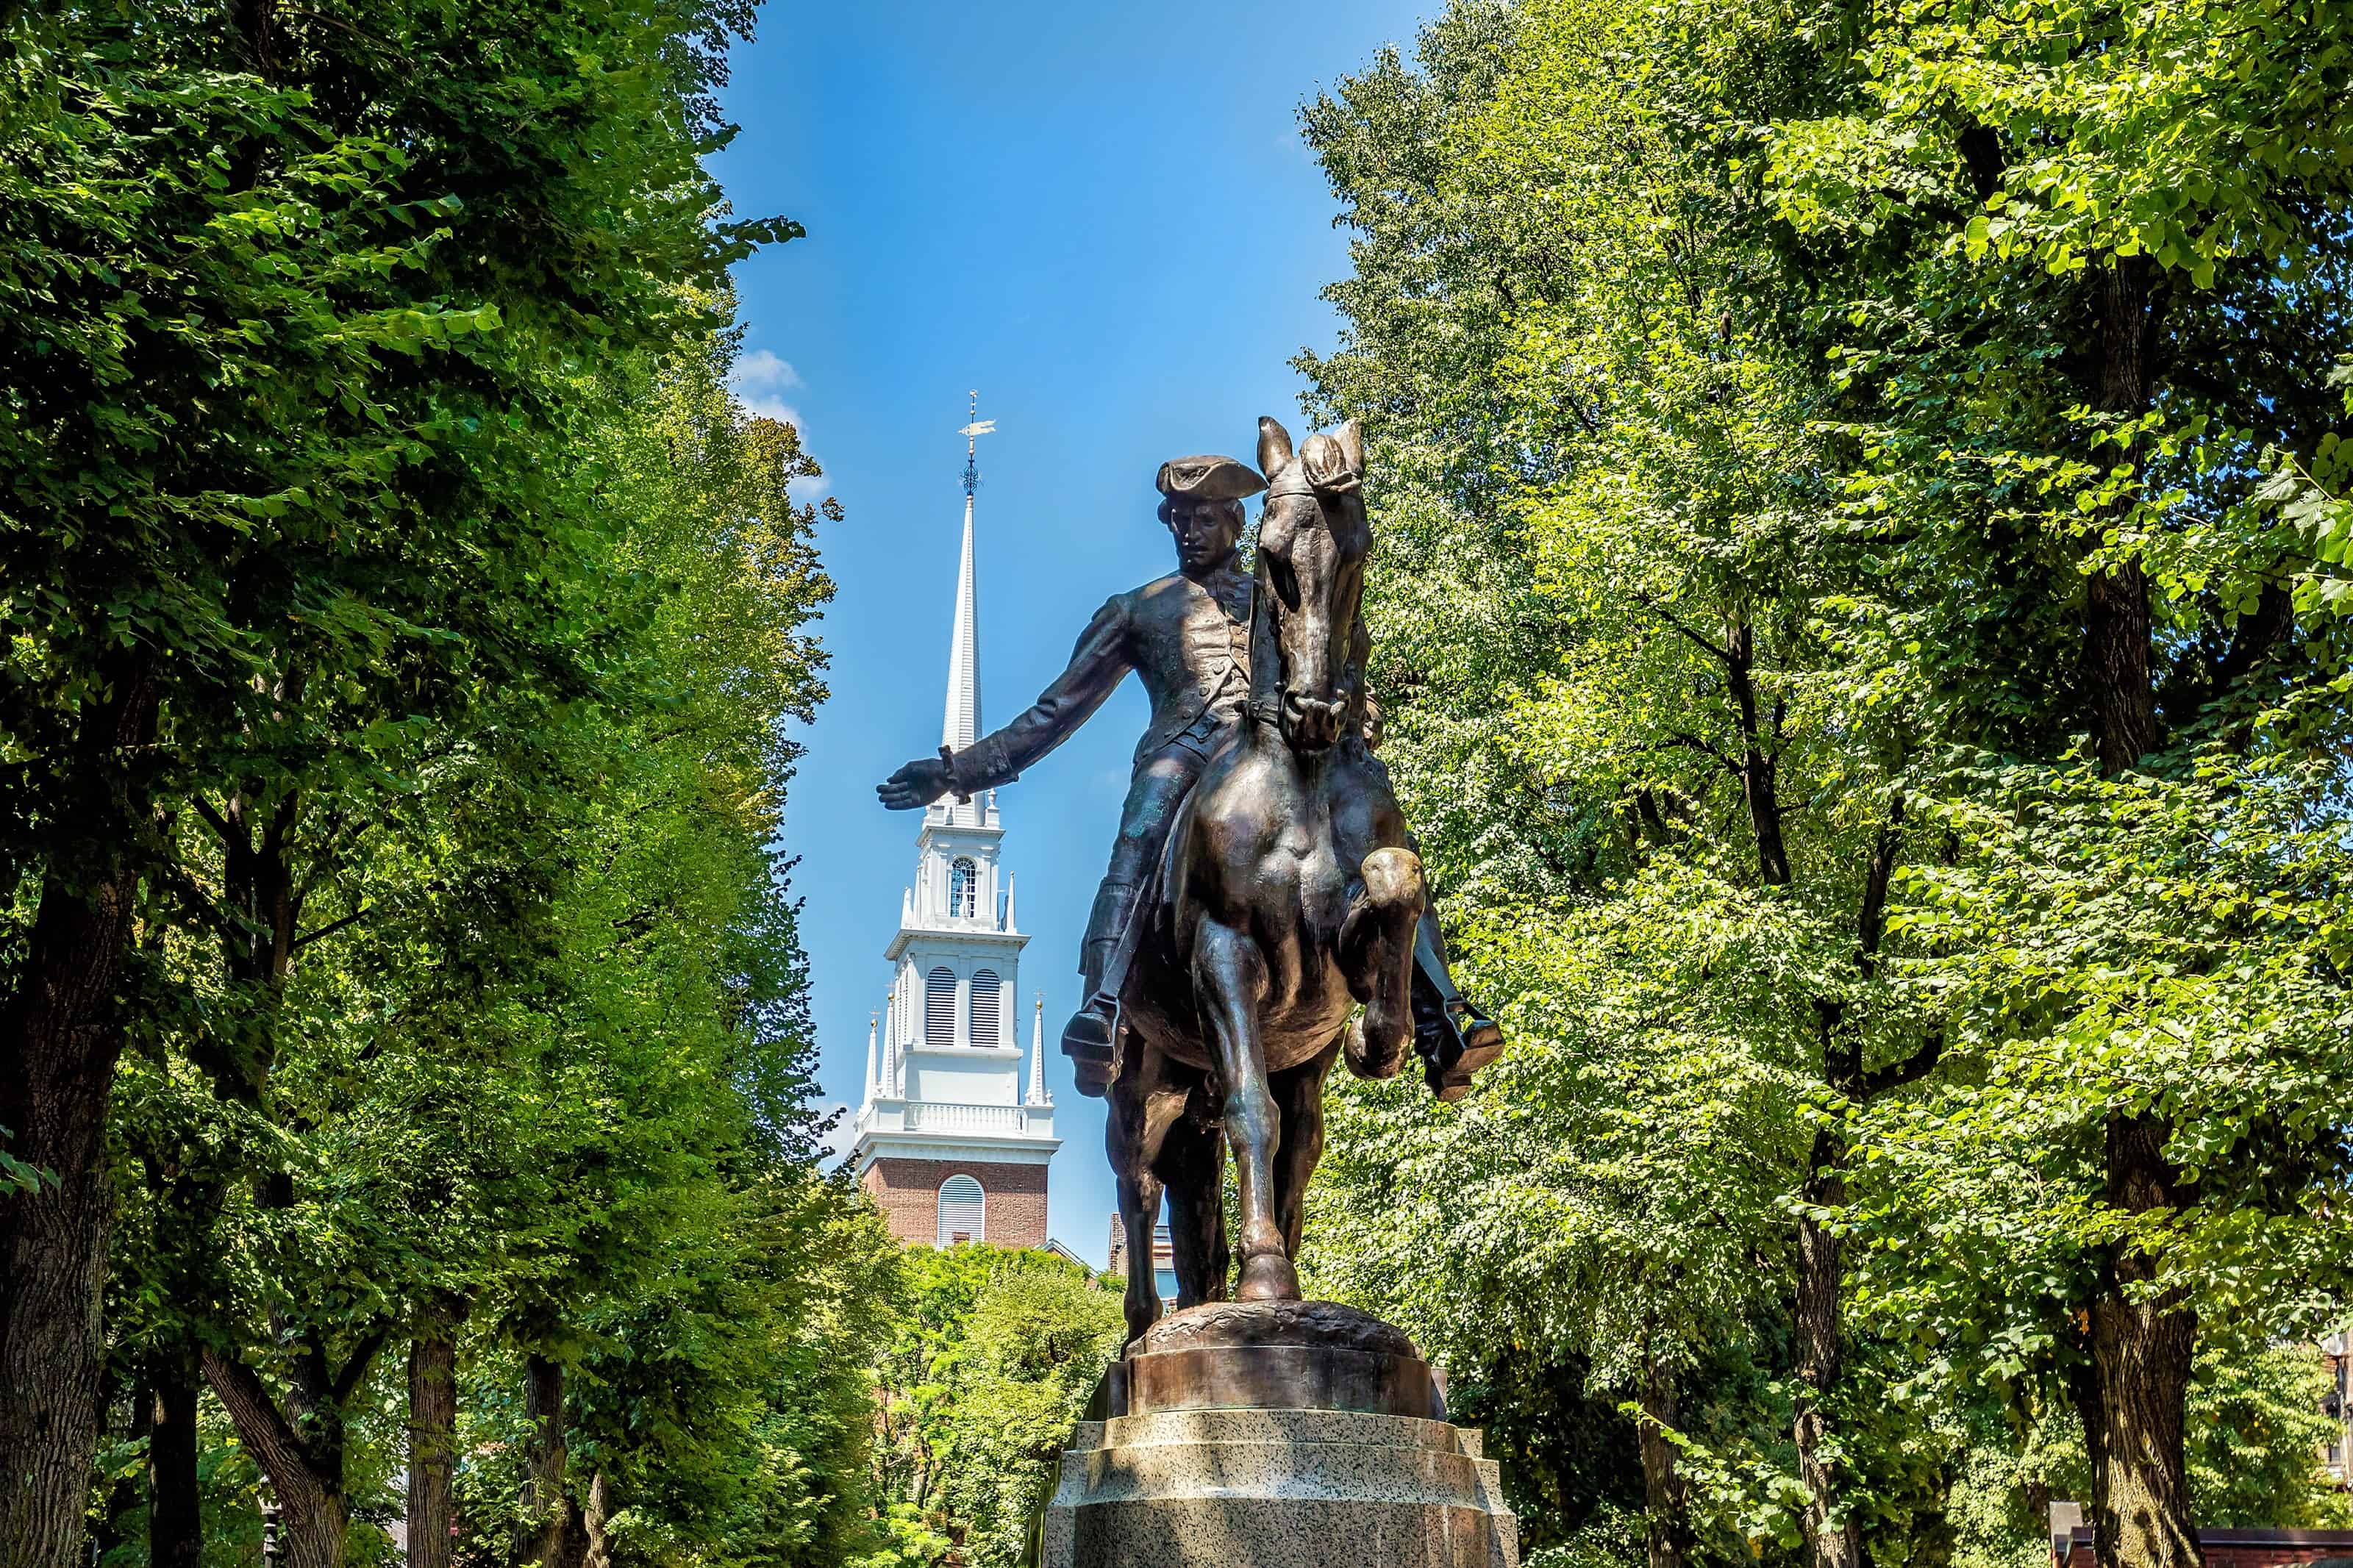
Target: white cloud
[
  {"x": 757, "y": 380},
  {"x": 761, "y": 368},
  {"x": 842, "y": 1134}
]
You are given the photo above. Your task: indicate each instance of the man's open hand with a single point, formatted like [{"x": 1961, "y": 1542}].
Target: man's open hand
[{"x": 918, "y": 784}]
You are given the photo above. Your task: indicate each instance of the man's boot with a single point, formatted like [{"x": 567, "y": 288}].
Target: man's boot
[
  {"x": 1090, "y": 1039},
  {"x": 1454, "y": 1037}
]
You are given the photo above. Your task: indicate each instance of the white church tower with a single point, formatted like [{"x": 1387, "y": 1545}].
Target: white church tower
[{"x": 951, "y": 1142}]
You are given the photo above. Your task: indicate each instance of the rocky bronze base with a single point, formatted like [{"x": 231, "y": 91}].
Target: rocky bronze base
[
  {"x": 1274, "y": 1355},
  {"x": 1253, "y": 1434}
]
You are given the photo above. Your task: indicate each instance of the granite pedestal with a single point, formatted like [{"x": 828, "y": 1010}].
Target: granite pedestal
[{"x": 1275, "y": 1434}]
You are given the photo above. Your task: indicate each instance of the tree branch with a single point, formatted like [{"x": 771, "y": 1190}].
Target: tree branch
[
  {"x": 212, "y": 819},
  {"x": 259, "y": 1422},
  {"x": 1870, "y": 918},
  {"x": 1911, "y": 1069},
  {"x": 1664, "y": 614},
  {"x": 330, "y": 929},
  {"x": 356, "y": 1368},
  {"x": 1696, "y": 743}
]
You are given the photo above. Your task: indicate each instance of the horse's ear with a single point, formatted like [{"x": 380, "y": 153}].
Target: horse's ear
[
  {"x": 1351, "y": 437},
  {"x": 1273, "y": 445}
]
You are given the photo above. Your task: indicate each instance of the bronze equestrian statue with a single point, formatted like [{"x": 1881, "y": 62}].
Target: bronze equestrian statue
[{"x": 1263, "y": 884}]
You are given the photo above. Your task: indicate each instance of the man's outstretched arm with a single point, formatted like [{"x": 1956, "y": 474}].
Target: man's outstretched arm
[{"x": 1098, "y": 664}]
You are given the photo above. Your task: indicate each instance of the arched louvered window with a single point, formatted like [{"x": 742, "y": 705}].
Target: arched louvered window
[
  {"x": 985, "y": 991},
  {"x": 939, "y": 1009},
  {"x": 964, "y": 1211},
  {"x": 964, "y": 888}
]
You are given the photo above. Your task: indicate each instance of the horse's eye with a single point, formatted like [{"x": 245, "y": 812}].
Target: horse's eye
[{"x": 1286, "y": 581}]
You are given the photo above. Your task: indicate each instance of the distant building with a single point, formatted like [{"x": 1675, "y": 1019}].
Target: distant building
[
  {"x": 948, "y": 1141},
  {"x": 2338, "y": 1452},
  {"x": 1164, "y": 1258}
]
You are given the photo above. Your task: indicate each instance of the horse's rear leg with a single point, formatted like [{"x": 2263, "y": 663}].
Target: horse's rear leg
[
  {"x": 1299, "y": 1097},
  {"x": 1377, "y": 956},
  {"x": 1193, "y": 1165},
  {"x": 1230, "y": 979},
  {"x": 1126, "y": 1139}
]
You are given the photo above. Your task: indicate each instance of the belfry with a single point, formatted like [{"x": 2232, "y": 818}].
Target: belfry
[{"x": 950, "y": 1141}]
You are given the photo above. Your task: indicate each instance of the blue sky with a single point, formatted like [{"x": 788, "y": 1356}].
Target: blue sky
[{"x": 1101, "y": 216}]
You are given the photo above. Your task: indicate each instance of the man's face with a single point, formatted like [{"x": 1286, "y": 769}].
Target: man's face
[{"x": 1206, "y": 532}]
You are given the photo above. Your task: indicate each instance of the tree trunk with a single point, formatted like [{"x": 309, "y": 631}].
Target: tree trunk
[
  {"x": 2135, "y": 1392},
  {"x": 1833, "y": 1542},
  {"x": 432, "y": 1437},
  {"x": 123, "y": 1491},
  {"x": 60, "y": 1031},
  {"x": 549, "y": 1525},
  {"x": 305, "y": 1469},
  {"x": 1821, "y": 1360},
  {"x": 175, "y": 1498},
  {"x": 1759, "y": 787},
  {"x": 1665, "y": 1493},
  {"x": 596, "y": 1545}
]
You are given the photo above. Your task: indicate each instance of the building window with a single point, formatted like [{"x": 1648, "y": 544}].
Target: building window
[
  {"x": 985, "y": 987},
  {"x": 964, "y": 1211},
  {"x": 939, "y": 1009},
  {"x": 964, "y": 889}
]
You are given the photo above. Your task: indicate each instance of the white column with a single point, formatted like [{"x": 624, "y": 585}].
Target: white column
[
  {"x": 963, "y": 1011},
  {"x": 872, "y": 1062}
]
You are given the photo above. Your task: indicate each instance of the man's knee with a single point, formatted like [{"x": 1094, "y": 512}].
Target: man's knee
[{"x": 1150, "y": 813}]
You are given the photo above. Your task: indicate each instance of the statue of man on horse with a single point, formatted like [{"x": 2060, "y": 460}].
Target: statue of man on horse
[{"x": 1263, "y": 886}]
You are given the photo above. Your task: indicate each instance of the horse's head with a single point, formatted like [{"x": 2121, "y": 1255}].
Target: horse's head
[{"x": 1312, "y": 543}]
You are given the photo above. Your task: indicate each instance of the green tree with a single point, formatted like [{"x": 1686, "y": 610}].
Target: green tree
[
  {"x": 2090, "y": 263},
  {"x": 1731, "y": 478},
  {"x": 995, "y": 1355},
  {"x": 292, "y": 294}
]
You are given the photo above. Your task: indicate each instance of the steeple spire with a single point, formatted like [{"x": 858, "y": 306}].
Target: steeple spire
[
  {"x": 873, "y": 1070},
  {"x": 1038, "y": 1054},
  {"x": 961, "y": 725}
]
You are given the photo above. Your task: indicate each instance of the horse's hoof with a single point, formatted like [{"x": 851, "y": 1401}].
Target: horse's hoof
[
  {"x": 1363, "y": 1060},
  {"x": 1269, "y": 1277}
]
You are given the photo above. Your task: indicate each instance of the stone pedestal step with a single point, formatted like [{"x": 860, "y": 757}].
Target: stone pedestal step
[{"x": 1277, "y": 1489}]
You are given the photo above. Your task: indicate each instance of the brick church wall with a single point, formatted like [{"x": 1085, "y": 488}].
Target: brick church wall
[{"x": 908, "y": 1192}]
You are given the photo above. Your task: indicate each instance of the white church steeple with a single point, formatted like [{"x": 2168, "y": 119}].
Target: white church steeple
[
  {"x": 961, "y": 726},
  {"x": 949, "y": 1102},
  {"x": 960, "y": 721},
  {"x": 1037, "y": 1095}
]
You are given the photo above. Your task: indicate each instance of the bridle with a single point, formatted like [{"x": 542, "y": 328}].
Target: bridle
[{"x": 1292, "y": 485}]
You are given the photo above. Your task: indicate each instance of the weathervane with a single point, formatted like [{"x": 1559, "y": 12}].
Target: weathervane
[{"x": 971, "y": 433}]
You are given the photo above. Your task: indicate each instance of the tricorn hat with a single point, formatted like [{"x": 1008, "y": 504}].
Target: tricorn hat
[{"x": 1209, "y": 478}]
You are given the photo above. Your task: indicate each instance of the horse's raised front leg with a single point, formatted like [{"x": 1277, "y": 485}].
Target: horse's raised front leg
[
  {"x": 1193, "y": 1165},
  {"x": 1231, "y": 981},
  {"x": 1299, "y": 1099},
  {"x": 1377, "y": 956}
]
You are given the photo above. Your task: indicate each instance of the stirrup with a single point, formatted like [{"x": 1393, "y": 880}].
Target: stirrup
[{"x": 1462, "y": 1040}]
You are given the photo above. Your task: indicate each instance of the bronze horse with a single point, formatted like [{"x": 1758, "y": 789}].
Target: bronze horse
[{"x": 1287, "y": 897}]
